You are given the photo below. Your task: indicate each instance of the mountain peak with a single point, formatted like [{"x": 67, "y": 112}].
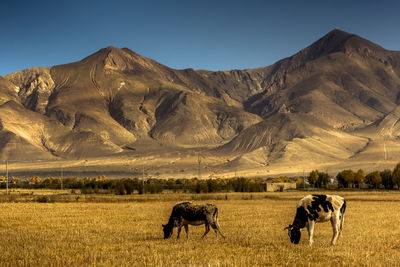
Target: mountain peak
[
  {"x": 113, "y": 51},
  {"x": 114, "y": 58},
  {"x": 337, "y": 41},
  {"x": 117, "y": 59},
  {"x": 333, "y": 41},
  {"x": 112, "y": 48},
  {"x": 337, "y": 33}
]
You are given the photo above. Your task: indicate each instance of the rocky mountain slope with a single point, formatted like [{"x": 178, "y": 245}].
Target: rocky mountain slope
[{"x": 332, "y": 105}]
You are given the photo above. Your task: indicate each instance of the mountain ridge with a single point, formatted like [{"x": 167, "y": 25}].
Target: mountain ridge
[{"x": 316, "y": 108}]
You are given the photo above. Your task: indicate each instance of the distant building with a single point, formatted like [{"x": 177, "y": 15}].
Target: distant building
[{"x": 273, "y": 187}]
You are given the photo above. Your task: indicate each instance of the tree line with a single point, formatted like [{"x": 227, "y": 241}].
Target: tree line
[
  {"x": 386, "y": 179},
  {"x": 126, "y": 186}
]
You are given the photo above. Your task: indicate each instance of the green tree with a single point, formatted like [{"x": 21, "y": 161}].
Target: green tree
[
  {"x": 374, "y": 179},
  {"x": 359, "y": 177},
  {"x": 387, "y": 180},
  {"x": 313, "y": 177},
  {"x": 212, "y": 185},
  {"x": 129, "y": 186},
  {"x": 120, "y": 188},
  {"x": 323, "y": 179},
  {"x": 345, "y": 178},
  {"x": 396, "y": 176}
]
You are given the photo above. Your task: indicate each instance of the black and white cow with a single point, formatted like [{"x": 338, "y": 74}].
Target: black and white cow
[
  {"x": 318, "y": 208},
  {"x": 186, "y": 213}
]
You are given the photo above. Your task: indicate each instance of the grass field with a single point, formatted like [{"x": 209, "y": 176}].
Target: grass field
[{"x": 127, "y": 232}]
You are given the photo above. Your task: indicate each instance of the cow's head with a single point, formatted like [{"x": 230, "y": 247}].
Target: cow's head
[
  {"x": 168, "y": 230},
  {"x": 294, "y": 233}
]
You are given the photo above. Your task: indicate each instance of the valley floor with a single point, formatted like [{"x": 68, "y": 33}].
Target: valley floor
[
  {"x": 185, "y": 165},
  {"x": 78, "y": 230}
]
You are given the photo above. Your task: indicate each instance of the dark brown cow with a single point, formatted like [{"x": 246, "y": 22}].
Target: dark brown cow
[{"x": 187, "y": 213}]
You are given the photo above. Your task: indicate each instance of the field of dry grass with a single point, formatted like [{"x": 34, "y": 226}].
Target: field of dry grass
[{"x": 128, "y": 232}]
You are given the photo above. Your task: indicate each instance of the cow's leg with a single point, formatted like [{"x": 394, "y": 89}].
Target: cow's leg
[
  {"x": 207, "y": 230},
  {"x": 179, "y": 226},
  {"x": 216, "y": 228},
  {"x": 335, "y": 221},
  {"x": 310, "y": 228},
  {"x": 213, "y": 221},
  {"x": 187, "y": 230},
  {"x": 341, "y": 224}
]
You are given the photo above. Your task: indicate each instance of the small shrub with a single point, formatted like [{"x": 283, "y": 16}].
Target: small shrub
[
  {"x": 87, "y": 190},
  {"x": 12, "y": 198},
  {"x": 247, "y": 197},
  {"x": 120, "y": 188},
  {"x": 43, "y": 199}
]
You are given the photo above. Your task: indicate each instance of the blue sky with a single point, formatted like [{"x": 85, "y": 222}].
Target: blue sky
[{"x": 203, "y": 34}]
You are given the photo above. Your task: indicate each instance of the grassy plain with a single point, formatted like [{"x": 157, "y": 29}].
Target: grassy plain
[{"x": 126, "y": 231}]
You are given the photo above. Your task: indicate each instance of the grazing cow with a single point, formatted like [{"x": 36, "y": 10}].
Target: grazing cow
[
  {"x": 318, "y": 208},
  {"x": 186, "y": 213}
]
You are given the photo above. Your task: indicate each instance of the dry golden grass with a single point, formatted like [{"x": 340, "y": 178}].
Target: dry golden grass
[{"x": 129, "y": 233}]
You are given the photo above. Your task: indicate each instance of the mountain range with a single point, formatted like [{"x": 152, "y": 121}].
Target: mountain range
[{"x": 331, "y": 106}]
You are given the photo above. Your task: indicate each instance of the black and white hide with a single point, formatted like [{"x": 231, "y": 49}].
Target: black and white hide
[{"x": 318, "y": 208}]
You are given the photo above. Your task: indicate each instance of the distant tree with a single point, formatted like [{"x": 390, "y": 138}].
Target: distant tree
[
  {"x": 323, "y": 179},
  {"x": 349, "y": 177},
  {"x": 387, "y": 180},
  {"x": 359, "y": 177},
  {"x": 199, "y": 186},
  {"x": 374, "y": 179},
  {"x": 396, "y": 176},
  {"x": 212, "y": 185},
  {"x": 340, "y": 180},
  {"x": 345, "y": 178},
  {"x": 120, "y": 188},
  {"x": 154, "y": 186},
  {"x": 241, "y": 184},
  {"x": 35, "y": 180},
  {"x": 313, "y": 177},
  {"x": 129, "y": 186}
]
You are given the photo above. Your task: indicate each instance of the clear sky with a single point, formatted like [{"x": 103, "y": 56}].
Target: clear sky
[{"x": 201, "y": 34}]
